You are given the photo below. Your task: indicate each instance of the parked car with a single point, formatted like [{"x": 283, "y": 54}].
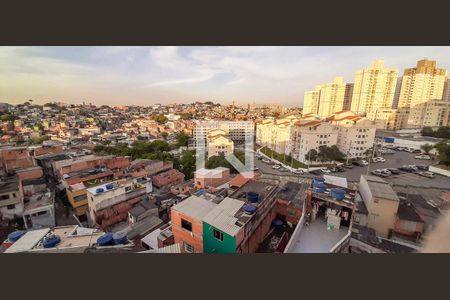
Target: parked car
[
  {"x": 394, "y": 171},
  {"x": 276, "y": 167},
  {"x": 316, "y": 172},
  {"x": 407, "y": 169},
  {"x": 378, "y": 173},
  {"x": 298, "y": 171},
  {"x": 265, "y": 160},
  {"x": 340, "y": 169},
  {"x": 426, "y": 174},
  {"x": 255, "y": 169},
  {"x": 422, "y": 168},
  {"x": 423, "y": 156},
  {"x": 364, "y": 162},
  {"x": 378, "y": 159},
  {"x": 334, "y": 170},
  {"x": 417, "y": 151},
  {"x": 325, "y": 170},
  {"x": 386, "y": 172},
  {"x": 348, "y": 166},
  {"x": 283, "y": 170},
  {"x": 357, "y": 163}
]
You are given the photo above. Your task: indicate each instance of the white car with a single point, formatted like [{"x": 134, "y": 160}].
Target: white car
[
  {"x": 364, "y": 162},
  {"x": 379, "y": 159},
  {"x": 265, "y": 160},
  {"x": 423, "y": 156},
  {"x": 276, "y": 166},
  {"x": 298, "y": 171},
  {"x": 325, "y": 170}
]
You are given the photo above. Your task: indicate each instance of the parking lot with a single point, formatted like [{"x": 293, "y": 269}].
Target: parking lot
[{"x": 396, "y": 160}]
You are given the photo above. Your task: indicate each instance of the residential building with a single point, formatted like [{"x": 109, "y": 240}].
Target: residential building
[
  {"x": 205, "y": 178},
  {"x": 167, "y": 178},
  {"x": 382, "y": 204},
  {"x": 384, "y": 118},
  {"x": 11, "y": 201},
  {"x": 308, "y": 135},
  {"x": 326, "y": 99},
  {"x": 348, "y": 96},
  {"x": 433, "y": 113},
  {"x": 420, "y": 85},
  {"x": 356, "y": 135},
  {"x": 187, "y": 222},
  {"x": 219, "y": 143},
  {"x": 238, "y": 131},
  {"x": 276, "y": 134},
  {"x": 109, "y": 203},
  {"x": 14, "y": 158},
  {"x": 374, "y": 88}
]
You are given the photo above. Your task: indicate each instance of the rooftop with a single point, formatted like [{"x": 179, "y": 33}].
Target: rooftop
[
  {"x": 406, "y": 211},
  {"x": 194, "y": 207},
  {"x": 294, "y": 192},
  {"x": 223, "y": 216},
  {"x": 210, "y": 172},
  {"x": 9, "y": 184},
  {"x": 380, "y": 188}
]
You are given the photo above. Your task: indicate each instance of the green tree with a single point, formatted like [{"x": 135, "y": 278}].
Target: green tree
[
  {"x": 427, "y": 148},
  {"x": 444, "y": 152},
  {"x": 312, "y": 155},
  {"x": 443, "y": 132},
  {"x": 427, "y": 131},
  {"x": 182, "y": 139},
  {"x": 187, "y": 163},
  {"x": 161, "y": 119}
]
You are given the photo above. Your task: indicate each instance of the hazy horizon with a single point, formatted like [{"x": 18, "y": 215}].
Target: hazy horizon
[{"x": 150, "y": 75}]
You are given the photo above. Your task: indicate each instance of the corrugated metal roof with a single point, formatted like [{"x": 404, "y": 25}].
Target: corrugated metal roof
[
  {"x": 175, "y": 248},
  {"x": 223, "y": 217},
  {"x": 28, "y": 241},
  {"x": 194, "y": 207}
]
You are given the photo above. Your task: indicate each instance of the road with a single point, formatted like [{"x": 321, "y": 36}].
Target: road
[{"x": 395, "y": 160}]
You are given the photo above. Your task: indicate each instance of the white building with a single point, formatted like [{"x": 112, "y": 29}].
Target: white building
[
  {"x": 238, "y": 131},
  {"x": 219, "y": 143},
  {"x": 356, "y": 135}
]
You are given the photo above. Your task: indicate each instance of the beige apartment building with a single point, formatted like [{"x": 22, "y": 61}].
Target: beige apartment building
[
  {"x": 276, "y": 134},
  {"x": 219, "y": 143},
  {"x": 374, "y": 88},
  {"x": 326, "y": 99},
  {"x": 420, "y": 85},
  {"x": 432, "y": 114},
  {"x": 382, "y": 204},
  {"x": 384, "y": 118}
]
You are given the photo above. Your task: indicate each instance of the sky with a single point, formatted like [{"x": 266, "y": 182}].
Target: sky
[{"x": 116, "y": 75}]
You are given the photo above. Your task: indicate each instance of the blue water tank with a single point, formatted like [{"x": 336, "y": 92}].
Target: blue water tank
[
  {"x": 337, "y": 193},
  {"x": 277, "y": 222},
  {"x": 319, "y": 187},
  {"x": 109, "y": 186},
  {"x": 200, "y": 192},
  {"x": 120, "y": 238},
  {"x": 389, "y": 140},
  {"x": 51, "y": 241},
  {"x": 99, "y": 190},
  {"x": 105, "y": 240},
  {"x": 249, "y": 209},
  {"x": 14, "y": 236},
  {"x": 318, "y": 180},
  {"x": 253, "y": 197}
]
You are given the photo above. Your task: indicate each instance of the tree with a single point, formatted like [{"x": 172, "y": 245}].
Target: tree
[
  {"x": 182, "y": 139},
  {"x": 312, "y": 155},
  {"x": 443, "y": 132},
  {"x": 187, "y": 163},
  {"x": 161, "y": 119},
  {"x": 427, "y": 131},
  {"x": 427, "y": 148},
  {"x": 186, "y": 116},
  {"x": 444, "y": 152}
]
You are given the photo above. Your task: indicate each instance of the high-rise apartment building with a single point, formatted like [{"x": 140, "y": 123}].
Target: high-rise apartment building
[
  {"x": 374, "y": 88},
  {"x": 326, "y": 99},
  {"x": 420, "y": 85},
  {"x": 348, "y": 96}
]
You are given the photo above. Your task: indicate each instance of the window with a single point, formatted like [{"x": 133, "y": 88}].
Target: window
[
  {"x": 218, "y": 235},
  {"x": 11, "y": 206},
  {"x": 188, "y": 248},
  {"x": 186, "y": 225},
  {"x": 4, "y": 197}
]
